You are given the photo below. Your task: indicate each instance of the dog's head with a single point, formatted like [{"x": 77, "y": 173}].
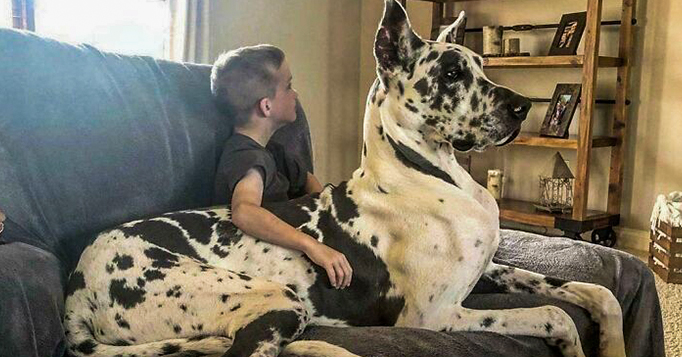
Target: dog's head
[{"x": 442, "y": 87}]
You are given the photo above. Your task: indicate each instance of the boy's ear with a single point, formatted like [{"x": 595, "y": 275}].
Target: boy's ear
[
  {"x": 265, "y": 106},
  {"x": 395, "y": 45}
]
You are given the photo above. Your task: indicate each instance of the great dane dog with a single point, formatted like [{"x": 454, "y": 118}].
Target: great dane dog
[{"x": 418, "y": 231}]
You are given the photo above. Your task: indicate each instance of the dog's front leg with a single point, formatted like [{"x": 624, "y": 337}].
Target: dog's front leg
[
  {"x": 597, "y": 300},
  {"x": 548, "y": 322}
]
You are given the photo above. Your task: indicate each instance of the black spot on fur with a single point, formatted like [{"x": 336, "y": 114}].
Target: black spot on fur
[
  {"x": 374, "y": 241},
  {"x": 224, "y": 297},
  {"x": 174, "y": 292},
  {"x": 244, "y": 277},
  {"x": 381, "y": 189},
  {"x": 177, "y": 329},
  {"x": 432, "y": 56},
  {"x": 475, "y": 102},
  {"x": 346, "y": 209},
  {"x": 161, "y": 258},
  {"x": 262, "y": 330},
  {"x": 228, "y": 234},
  {"x": 169, "y": 349},
  {"x": 219, "y": 252},
  {"x": 555, "y": 282},
  {"x": 86, "y": 347},
  {"x": 411, "y": 108},
  {"x": 121, "y": 322},
  {"x": 414, "y": 160},
  {"x": 478, "y": 61},
  {"x": 76, "y": 282},
  {"x": 487, "y": 322},
  {"x": 125, "y": 296},
  {"x": 154, "y": 274},
  {"x": 236, "y": 307},
  {"x": 123, "y": 262},
  {"x": 549, "y": 328},
  {"x": 198, "y": 226},
  {"x": 121, "y": 343},
  {"x": 422, "y": 87},
  {"x": 401, "y": 88},
  {"x": 164, "y": 235},
  {"x": 524, "y": 288},
  {"x": 109, "y": 268}
]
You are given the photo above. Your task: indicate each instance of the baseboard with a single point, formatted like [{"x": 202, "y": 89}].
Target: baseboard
[{"x": 635, "y": 239}]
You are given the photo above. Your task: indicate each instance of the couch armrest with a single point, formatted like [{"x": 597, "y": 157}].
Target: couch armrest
[{"x": 32, "y": 302}]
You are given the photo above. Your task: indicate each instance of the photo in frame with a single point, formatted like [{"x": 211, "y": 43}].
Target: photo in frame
[
  {"x": 561, "y": 110},
  {"x": 569, "y": 34}
]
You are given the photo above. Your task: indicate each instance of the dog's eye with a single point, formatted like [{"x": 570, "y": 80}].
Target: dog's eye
[{"x": 452, "y": 74}]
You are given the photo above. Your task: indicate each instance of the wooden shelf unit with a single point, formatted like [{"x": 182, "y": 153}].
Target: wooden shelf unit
[
  {"x": 581, "y": 219},
  {"x": 533, "y": 139},
  {"x": 547, "y": 61}
]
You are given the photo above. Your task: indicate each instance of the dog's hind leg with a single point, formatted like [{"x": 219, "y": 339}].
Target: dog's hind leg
[
  {"x": 548, "y": 322},
  {"x": 597, "y": 300}
]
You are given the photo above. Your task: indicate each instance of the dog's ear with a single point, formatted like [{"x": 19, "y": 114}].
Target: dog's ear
[
  {"x": 396, "y": 45},
  {"x": 450, "y": 33}
]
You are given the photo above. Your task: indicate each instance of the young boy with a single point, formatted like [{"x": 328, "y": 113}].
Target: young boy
[{"x": 253, "y": 86}]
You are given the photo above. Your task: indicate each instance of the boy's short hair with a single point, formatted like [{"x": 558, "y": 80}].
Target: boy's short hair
[{"x": 242, "y": 77}]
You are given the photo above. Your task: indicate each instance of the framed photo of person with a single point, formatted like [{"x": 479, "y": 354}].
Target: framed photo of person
[
  {"x": 568, "y": 35},
  {"x": 561, "y": 110}
]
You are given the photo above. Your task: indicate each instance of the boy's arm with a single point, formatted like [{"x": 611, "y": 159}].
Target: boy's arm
[
  {"x": 256, "y": 221},
  {"x": 312, "y": 185}
]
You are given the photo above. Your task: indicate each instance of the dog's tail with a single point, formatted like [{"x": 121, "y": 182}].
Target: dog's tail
[{"x": 82, "y": 342}]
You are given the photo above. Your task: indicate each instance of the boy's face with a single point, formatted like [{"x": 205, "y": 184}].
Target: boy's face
[{"x": 284, "y": 102}]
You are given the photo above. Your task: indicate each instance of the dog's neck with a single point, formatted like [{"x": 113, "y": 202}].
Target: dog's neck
[{"x": 393, "y": 154}]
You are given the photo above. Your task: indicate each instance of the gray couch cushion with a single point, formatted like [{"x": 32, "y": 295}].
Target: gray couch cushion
[{"x": 32, "y": 302}]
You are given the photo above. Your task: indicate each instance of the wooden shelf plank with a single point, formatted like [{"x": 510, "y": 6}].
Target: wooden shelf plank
[
  {"x": 533, "y": 139},
  {"x": 526, "y": 213},
  {"x": 547, "y": 62}
]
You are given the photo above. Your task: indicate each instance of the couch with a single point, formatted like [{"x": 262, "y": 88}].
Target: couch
[{"x": 90, "y": 139}]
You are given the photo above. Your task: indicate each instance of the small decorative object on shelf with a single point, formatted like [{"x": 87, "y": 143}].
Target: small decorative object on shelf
[
  {"x": 561, "y": 110},
  {"x": 495, "y": 182},
  {"x": 512, "y": 46},
  {"x": 665, "y": 248},
  {"x": 567, "y": 37},
  {"x": 556, "y": 188},
  {"x": 492, "y": 40}
]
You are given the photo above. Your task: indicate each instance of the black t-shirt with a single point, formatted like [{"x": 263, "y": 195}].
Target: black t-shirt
[{"x": 283, "y": 176}]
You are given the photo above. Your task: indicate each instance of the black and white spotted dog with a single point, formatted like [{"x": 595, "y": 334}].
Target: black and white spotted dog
[{"x": 417, "y": 230}]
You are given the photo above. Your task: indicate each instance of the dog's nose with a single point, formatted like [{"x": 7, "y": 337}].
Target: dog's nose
[
  {"x": 519, "y": 106},
  {"x": 516, "y": 105}
]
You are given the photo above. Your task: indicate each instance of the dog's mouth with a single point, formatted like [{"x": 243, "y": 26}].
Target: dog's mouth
[{"x": 509, "y": 138}]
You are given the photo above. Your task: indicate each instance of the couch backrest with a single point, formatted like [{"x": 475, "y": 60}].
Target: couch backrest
[{"x": 90, "y": 139}]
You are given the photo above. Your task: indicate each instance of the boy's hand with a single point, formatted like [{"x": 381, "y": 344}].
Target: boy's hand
[{"x": 335, "y": 263}]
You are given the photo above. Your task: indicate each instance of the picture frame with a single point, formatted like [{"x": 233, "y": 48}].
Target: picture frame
[
  {"x": 569, "y": 34},
  {"x": 561, "y": 110}
]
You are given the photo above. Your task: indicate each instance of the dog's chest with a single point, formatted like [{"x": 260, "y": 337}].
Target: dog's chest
[{"x": 435, "y": 251}]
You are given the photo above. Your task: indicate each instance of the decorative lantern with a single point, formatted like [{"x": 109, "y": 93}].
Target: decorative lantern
[{"x": 556, "y": 188}]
